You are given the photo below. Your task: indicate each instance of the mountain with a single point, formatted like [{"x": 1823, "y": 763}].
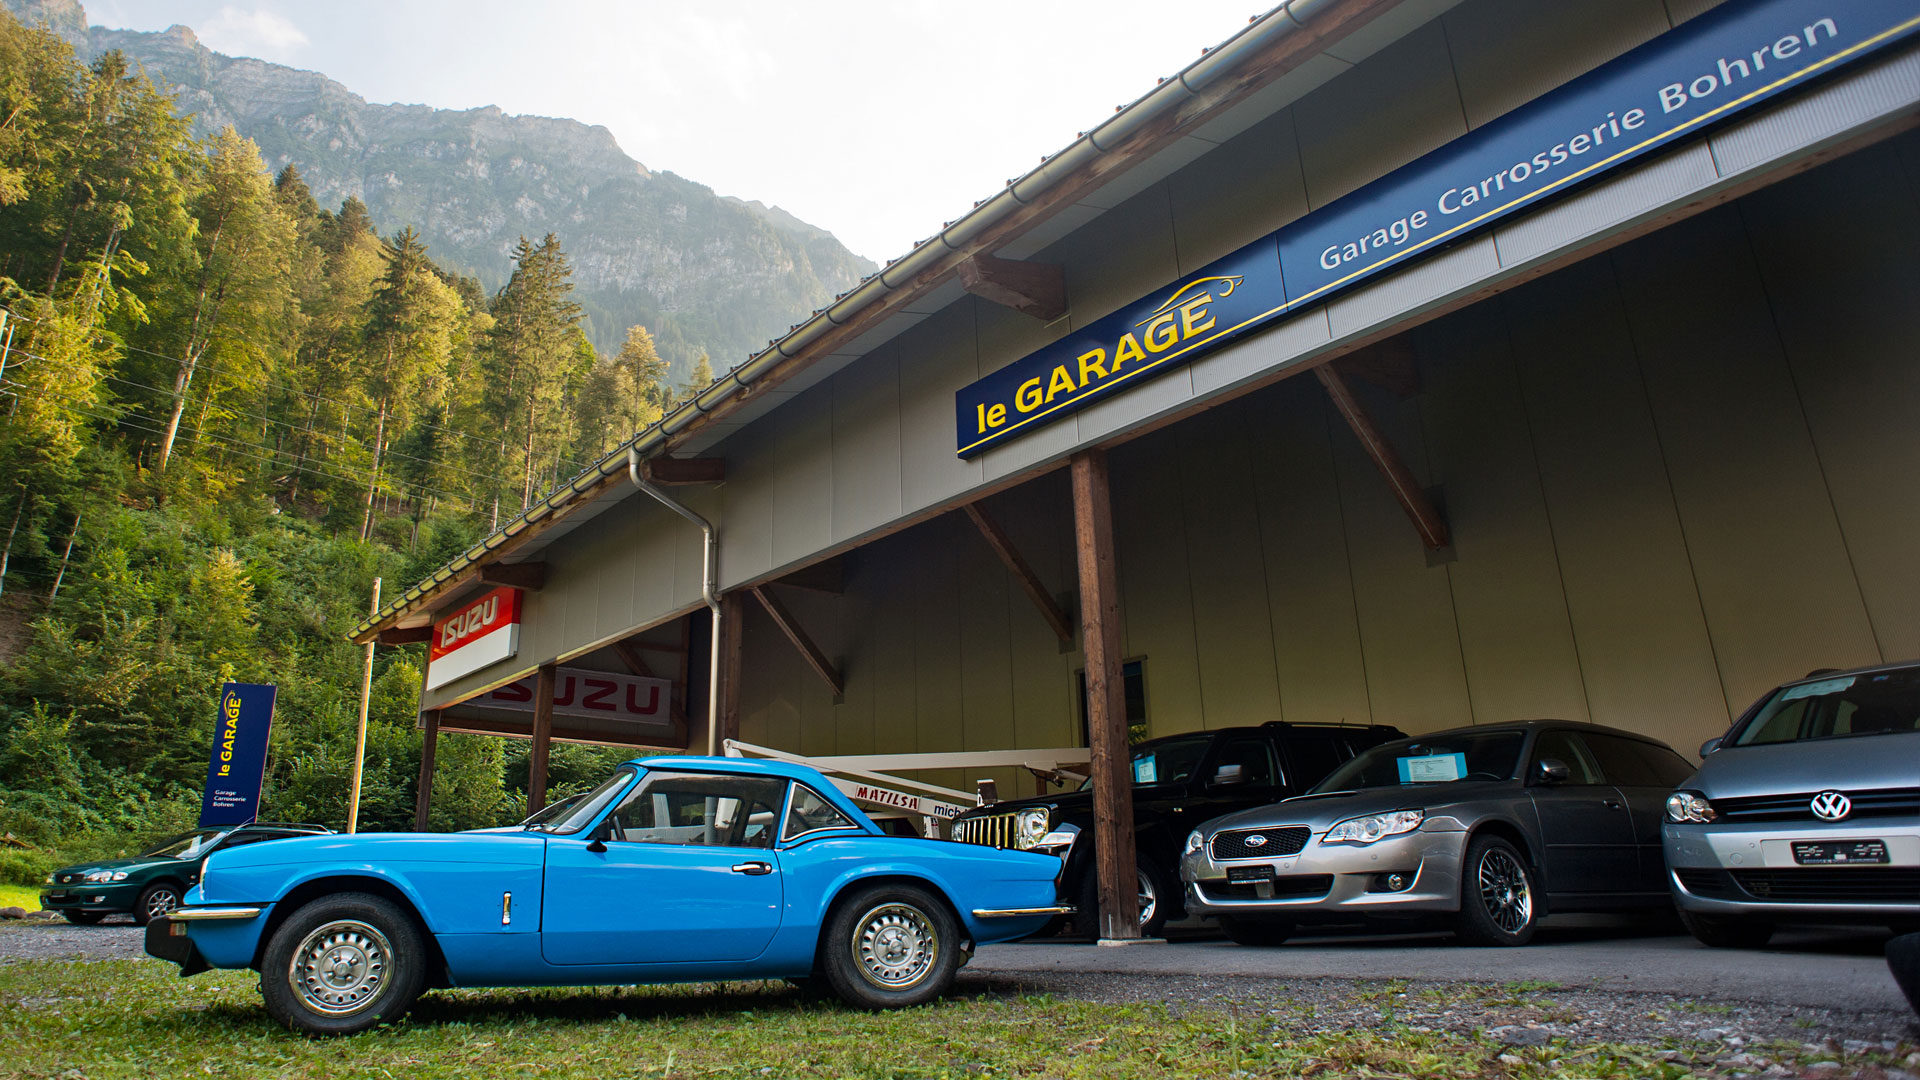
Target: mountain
[{"x": 700, "y": 270}]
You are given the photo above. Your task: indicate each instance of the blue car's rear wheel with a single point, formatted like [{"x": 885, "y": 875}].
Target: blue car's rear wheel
[
  {"x": 342, "y": 964},
  {"x": 888, "y": 946}
]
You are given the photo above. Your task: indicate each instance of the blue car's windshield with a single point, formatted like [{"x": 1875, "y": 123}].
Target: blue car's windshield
[
  {"x": 1490, "y": 756},
  {"x": 185, "y": 846},
  {"x": 590, "y": 805},
  {"x": 1841, "y": 706}
]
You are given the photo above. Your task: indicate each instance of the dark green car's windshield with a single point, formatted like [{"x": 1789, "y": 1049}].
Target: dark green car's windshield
[
  {"x": 1843, "y": 706},
  {"x": 186, "y": 846},
  {"x": 582, "y": 813},
  {"x": 1491, "y": 756}
]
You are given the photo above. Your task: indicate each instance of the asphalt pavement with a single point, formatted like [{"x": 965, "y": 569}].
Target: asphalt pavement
[{"x": 1826, "y": 968}]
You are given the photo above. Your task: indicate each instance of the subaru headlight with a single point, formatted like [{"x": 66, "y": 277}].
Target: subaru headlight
[
  {"x": 1365, "y": 830},
  {"x": 1029, "y": 827},
  {"x": 96, "y": 876},
  {"x": 1194, "y": 843},
  {"x": 1689, "y": 808}
]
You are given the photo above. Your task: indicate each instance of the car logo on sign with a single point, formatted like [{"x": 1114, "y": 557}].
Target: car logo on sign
[
  {"x": 1257, "y": 840},
  {"x": 1831, "y": 806}
]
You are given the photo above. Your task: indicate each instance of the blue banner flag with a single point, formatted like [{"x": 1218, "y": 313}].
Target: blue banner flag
[{"x": 238, "y": 762}]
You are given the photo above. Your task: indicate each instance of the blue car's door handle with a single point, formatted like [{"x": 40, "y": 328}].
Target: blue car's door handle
[{"x": 754, "y": 868}]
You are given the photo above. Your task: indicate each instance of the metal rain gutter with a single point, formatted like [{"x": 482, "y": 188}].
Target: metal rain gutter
[
  {"x": 1260, "y": 32},
  {"x": 710, "y": 576}
]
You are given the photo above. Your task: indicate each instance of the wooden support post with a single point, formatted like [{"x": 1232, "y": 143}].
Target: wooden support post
[
  {"x": 733, "y": 638},
  {"x": 816, "y": 659},
  {"x": 1017, "y": 566},
  {"x": 1426, "y": 518},
  {"x": 423, "y": 792},
  {"x": 542, "y": 736},
  {"x": 1113, "y": 842},
  {"x": 1036, "y": 289}
]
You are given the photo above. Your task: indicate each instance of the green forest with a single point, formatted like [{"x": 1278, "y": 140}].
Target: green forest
[{"x": 224, "y": 411}]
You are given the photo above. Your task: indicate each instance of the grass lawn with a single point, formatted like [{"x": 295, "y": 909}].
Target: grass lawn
[
  {"x": 26, "y": 896},
  {"x": 136, "y": 1018}
]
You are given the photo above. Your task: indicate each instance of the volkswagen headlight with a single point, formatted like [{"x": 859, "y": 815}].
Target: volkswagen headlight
[
  {"x": 1365, "y": 830},
  {"x": 1689, "y": 808},
  {"x": 96, "y": 876},
  {"x": 1029, "y": 827},
  {"x": 1194, "y": 843}
]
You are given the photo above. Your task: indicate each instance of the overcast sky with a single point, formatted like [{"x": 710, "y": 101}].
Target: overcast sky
[{"x": 875, "y": 119}]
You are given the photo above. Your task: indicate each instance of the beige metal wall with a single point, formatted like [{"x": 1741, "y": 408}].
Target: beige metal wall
[{"x": 1677, "y": 474}]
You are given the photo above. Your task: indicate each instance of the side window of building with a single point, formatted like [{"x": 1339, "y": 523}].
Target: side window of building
[
  {"x": 811, "y": 812},
  {"x": 1255, "y": 758},
  {"x": 1570, "y": 750},
  {"x": 1133, "y": 685},
  {"x": 700, "y": 809},
  {"x": 1312, "y": 756}
]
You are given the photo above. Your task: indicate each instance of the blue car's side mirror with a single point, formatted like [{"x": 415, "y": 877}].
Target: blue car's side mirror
[{"x": 598, "y": 841}]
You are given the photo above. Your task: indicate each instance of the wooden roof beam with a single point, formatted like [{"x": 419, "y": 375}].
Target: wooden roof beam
[
  {"x": 810, "y": 652},
  {"x": 673, "y": 470},
  {"x": 406, "y": 635},
  {"x": 1022, "y": 573},
  {"x": 526, "y": 576},
  {"x": 1036, "y": 289},
  {"x": 1425, "y": 516}
]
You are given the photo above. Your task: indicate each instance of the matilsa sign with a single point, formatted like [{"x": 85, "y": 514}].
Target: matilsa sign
[
  {"x": 484, "y": 632},
  {"x": 238, "y": 761}
]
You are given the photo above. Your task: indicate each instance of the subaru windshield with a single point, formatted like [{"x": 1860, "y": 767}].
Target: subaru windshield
[
  {"x": 1489, "y": 756},
  {"x": 1837, "y": 707}
]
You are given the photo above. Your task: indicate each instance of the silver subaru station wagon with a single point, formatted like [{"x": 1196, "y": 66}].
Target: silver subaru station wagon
[
  {"x": 1806, "y": 810},
  {"x": 1485, "y": 828}
]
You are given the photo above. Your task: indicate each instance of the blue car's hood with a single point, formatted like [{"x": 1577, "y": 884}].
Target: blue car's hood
[
  {"x": 519, "y": 848},
  {"x": 1851, "y": 763}
]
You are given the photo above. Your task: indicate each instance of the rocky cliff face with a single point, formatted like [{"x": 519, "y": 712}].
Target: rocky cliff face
[{"x": 700, "y": 270}]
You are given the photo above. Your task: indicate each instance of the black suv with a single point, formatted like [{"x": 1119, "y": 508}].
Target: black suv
[{"x": 1180, "y": 782}]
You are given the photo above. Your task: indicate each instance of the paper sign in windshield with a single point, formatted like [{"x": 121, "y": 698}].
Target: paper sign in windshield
[
  {"x": 1433, "y": 768},
  {"x": 1145, "y": 771},
  {"x": 1815, "y": 689}
]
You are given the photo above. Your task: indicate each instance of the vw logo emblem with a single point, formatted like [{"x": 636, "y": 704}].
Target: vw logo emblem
[
  {"x": 1831, "y": 806},
  {"x": 1257, "y": 840}
]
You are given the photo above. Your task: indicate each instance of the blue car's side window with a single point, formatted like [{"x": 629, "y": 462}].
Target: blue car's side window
[
  {"x": 810, "y": 812},
  {"x": 699, "y": 809}
]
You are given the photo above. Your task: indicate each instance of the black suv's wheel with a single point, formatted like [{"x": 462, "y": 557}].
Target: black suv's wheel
[
  {"x": 1153, "y": 898},
  {"x": 159, "y": 899},
  {"x": 1498, "y": 902},
  {"x": 342, "y": 964},
  {"x": 889, "y": 946},
  {"x": 84, "y": 918},
  {"x": 1256, "y": 930},
  {"x": 1727, "y": 933}
]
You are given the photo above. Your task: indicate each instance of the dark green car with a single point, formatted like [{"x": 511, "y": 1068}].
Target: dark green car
[{"x": 154, "y": 882}]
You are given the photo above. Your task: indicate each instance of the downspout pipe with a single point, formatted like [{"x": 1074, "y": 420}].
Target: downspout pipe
[{"x": 709, "y": 584}]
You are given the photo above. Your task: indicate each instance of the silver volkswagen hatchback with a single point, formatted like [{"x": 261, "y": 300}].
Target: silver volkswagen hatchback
[{"x": 1806, "y": 810}]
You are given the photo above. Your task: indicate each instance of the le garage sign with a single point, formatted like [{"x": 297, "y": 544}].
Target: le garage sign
[
  {"x": 483, "y": 632},
  {"x": 1696, "y": 75}
]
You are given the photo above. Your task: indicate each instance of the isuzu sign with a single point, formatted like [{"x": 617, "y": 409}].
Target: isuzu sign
[
  {"x": 484, "y": 632},
  {"x": 593, "y": 695}
]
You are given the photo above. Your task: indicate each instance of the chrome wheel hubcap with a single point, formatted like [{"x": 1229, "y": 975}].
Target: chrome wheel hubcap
[
  {"x": 1149, "y": 900},
  {"x": 340, "y": 967},
  {"x": 162, "y": 902},
  {"x": 895, "y": 946},
  {"x": 1504, "y": 891}
]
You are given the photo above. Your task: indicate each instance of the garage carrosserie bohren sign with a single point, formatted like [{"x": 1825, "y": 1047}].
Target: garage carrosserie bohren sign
[
  {"x": 1701, "y": 73},
  {"x": 237, "y": 762},
  {"x": 483, "y": 632}
]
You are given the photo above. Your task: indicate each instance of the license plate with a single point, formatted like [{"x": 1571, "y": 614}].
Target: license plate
[
  {"x": 1249, "y": 873},
  {"x": 1837, "y": 852}
]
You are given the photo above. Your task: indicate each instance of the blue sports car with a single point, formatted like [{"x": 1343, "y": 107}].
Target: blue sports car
[{"x": 676, "y": 869}]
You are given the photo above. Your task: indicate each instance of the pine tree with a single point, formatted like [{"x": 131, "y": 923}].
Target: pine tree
[
  {"x": 531, "y": 358},
  {"x": 410, "y": 326}
]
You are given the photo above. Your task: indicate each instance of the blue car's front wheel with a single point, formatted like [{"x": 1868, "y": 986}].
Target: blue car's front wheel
[
  {"x": 342, "y": 964},
  {"x": 889, "y": 946}
]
